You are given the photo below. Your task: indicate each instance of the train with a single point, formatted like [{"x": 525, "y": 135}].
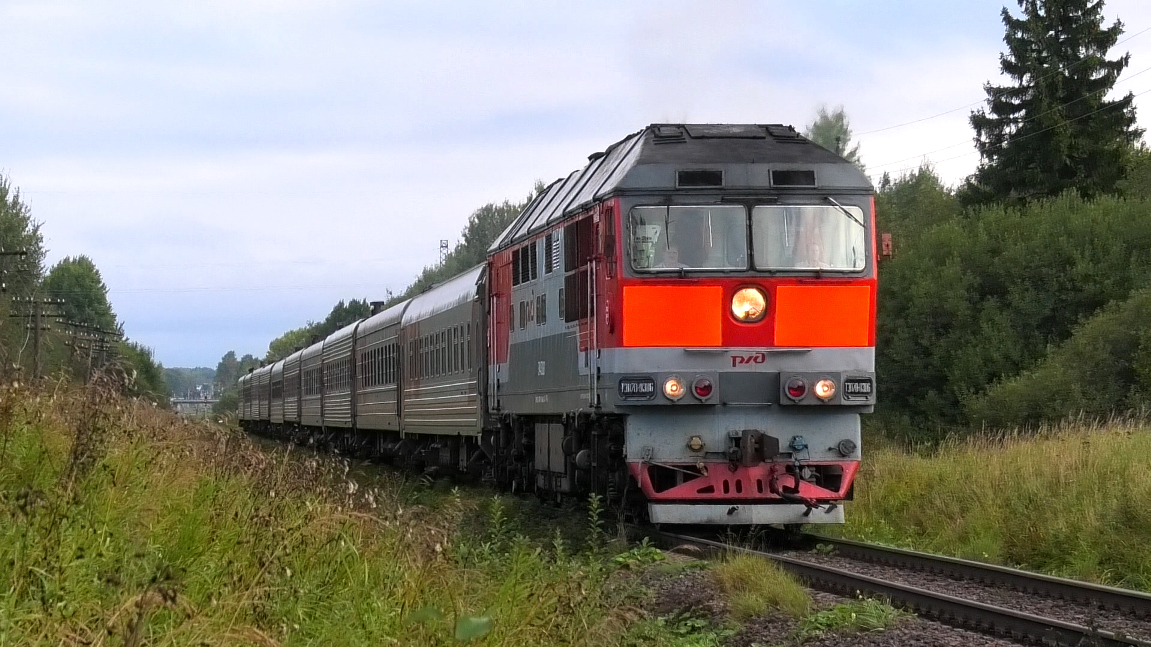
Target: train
[{"x": 685, "y": 326}]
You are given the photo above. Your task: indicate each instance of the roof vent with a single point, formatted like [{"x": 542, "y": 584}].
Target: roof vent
[
  {"x": 698, "y": 178},
  {"x": 779, "y": 131},
  {"x": 793, "y": 179},
  {"x": 725, "y": 131},
  {"x": 668, "y": 135}
]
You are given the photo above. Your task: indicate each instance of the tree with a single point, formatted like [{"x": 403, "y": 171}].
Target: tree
[
  {"x": 1053, "y": 129},
  {"x": 287, "y": 343},
  {"x": 832, "y": 130},
  {"x": 147, "y": 374},
  {"x": 78, "y": 283},
  {"x": 484, "y": 226},
  {"x": 183, "y": 381},
  {"x": 342, "y": 314},
  {"x": 21, "y": 275},
  {"x": 229, "y": 370}
]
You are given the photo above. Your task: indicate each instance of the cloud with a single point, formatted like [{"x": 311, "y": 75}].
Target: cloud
[{"x": 235, "y": 167}]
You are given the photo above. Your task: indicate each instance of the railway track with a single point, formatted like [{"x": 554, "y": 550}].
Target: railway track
[{"x": 947, "y": 608}]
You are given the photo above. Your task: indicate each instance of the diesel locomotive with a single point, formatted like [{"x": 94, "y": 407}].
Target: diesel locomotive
[{"x": 685, "y": 326}]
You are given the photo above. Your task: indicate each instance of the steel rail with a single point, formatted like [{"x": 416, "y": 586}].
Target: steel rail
[
  {"x": 941, "y": 607},
  {"x": 1135, "y": 602}
]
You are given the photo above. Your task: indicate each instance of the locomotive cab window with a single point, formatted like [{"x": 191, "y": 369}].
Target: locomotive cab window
[
  {"x": 665, "y": 239},
  {"x": 811, "y": 237}
]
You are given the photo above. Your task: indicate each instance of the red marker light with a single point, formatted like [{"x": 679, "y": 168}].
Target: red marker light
[
  {"x": 702, "y": 388},
  {"x": 796, "y": 389}
]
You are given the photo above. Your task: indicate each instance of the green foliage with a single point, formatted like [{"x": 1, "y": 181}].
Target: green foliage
[
  {"x": 981, "y": 298},
  {"x": 864, "y": 614},
  {"x": 595, "y": 513},
  {"x": 1105, "y": 366},
  {"x": 18, "y": 231},
  {"x": 229, "y": 370},
  {"x": 1136, "y": 182},
  {"x": 287, "y": 343},
  {"x": 147, "y": 375},
  {"x": 753, "y": 586},
  {"x": 913, "y": 204},
  {"x": 683, "y": 630},
  {"x": 227, "y": 402},
  {"x": 484, "y": 226},
  {"x": 1064, "y": 501},
  {"x": 187, "y": 534},
  {"x": 831, "y": 129},
  {"x": 182, "y": 381},
  {"x": 342, "y": 314},
  {"x": 21, "y": 275},
  {"x": 1053, "y": 130},
  {"x": 639, "y": 556},
  {"x": 78, "y": 283}
]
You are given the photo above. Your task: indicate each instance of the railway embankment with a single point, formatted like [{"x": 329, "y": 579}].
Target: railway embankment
[{"x": 1070, "y": 500}]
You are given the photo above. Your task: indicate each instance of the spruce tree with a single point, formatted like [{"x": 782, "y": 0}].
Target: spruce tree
[
  {"x": 1053, "y": 128},
  {"x": 831, "y": 129}
]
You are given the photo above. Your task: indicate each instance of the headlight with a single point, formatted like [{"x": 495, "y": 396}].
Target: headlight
[
  {"x": 673, "y": 388},
  {"x": 748, "y": 305},
  {"x": 824, "y": 389}
]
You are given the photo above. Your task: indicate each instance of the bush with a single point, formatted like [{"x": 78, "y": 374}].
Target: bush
[
  {"x": 1104, "y": 368},
  {"x": 978, "y": 299}
]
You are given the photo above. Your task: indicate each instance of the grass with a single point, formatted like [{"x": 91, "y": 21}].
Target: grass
[
  {"x": 754, "y": 586},
  {"x": 1070, "y": 500},
  {"x": 683, "y": 630},
  {"x": 120, "y": 525},
  {"x": 864, "y": 614}
]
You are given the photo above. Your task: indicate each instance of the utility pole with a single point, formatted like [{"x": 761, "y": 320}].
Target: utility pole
[
  {"x": 4, "y": 273},
  {"x": 35, "y": 310},
  {"x": 93, "y": 339}
]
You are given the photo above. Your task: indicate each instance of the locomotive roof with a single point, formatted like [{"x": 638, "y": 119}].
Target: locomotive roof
[
  {"x": 456, "y": 291},
  {"x": 647, "y": 161}
]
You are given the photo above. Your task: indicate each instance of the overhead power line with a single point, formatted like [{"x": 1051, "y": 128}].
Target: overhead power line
[
  {"x": 970, "y": 105},
  {"x": 1021, "y": 137},
  {"x": 1028, "y": 120}
]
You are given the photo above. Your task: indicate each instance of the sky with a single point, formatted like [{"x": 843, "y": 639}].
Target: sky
[{"x": 236, "y": 167}]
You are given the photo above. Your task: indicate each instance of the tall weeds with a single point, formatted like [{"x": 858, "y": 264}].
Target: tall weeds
[
  {"x": 1068, "y": 499},
  {"x": 121, "y": 525}
]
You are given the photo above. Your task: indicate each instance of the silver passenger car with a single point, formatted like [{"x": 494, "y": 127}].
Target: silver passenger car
[
  {"x": 292, "y": 388},
  {"x": 443, "y": 341},
  {"x": 378, "y": 354},
  {"x": 276, "y": 394},
  {"x": 245, "y": 388},
  {"x": 312, "y": 385},
  {"x": 339, "y": 373},
  {"x": 261, "y": 382}
]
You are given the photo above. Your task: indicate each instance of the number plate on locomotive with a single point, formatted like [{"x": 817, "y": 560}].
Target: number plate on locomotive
[
  {"x": 636, "y": 388},
  {"x": 858, "y": 388}
]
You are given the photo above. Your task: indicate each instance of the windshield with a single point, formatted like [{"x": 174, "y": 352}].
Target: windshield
[
  {"x": 702, "y": 238},
  {"x": 809, "y": 238}
]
